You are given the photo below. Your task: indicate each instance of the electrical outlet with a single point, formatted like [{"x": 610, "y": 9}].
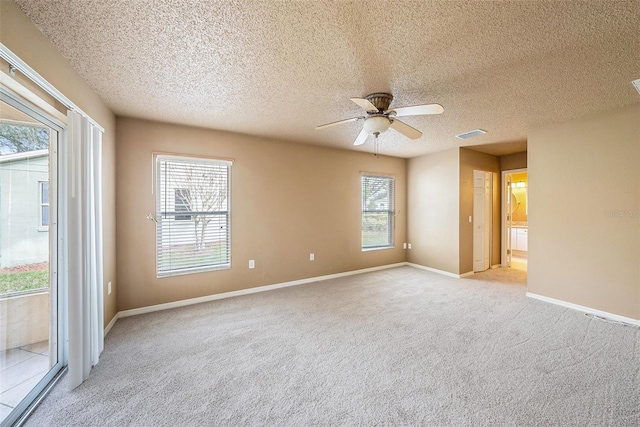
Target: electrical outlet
[
  {"x": 252, "y": 263},
  {"x": 470, "y": 220},
  {"x": 409, "y": 245},
  {"x": 109, "y": 288},
  {"x": 404, "y": 246},
  {"x": 312, "y": 256}
]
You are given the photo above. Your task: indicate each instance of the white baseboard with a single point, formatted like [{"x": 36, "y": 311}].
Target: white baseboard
[
  {"x": 191, "y": 301},
  {"x": 110, "y": 325},
  {"x": 604, "y": 314},
  {"x": 467, "y": 274},
  {"x": 435, "y": 270}
]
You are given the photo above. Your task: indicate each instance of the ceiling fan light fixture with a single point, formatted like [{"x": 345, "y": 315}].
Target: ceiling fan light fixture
[{"x": 376, "y": 125}]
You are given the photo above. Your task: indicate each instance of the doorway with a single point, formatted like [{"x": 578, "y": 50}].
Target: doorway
[
  {"x": 31, "y": 326},
  {"x": 515, "y": 219}
]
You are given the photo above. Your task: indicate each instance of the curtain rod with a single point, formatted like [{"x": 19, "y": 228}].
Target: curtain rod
[{"x": 30, "y": 73}]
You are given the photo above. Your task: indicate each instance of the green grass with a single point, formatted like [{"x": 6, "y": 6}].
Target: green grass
[
  {"x": 375, "y": 229},
  {"x": 375, "y": 238},
  {"x": 185, "y": 256},
  {"x": 25, "y": 281}
]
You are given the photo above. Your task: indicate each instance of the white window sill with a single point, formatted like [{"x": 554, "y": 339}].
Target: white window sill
[
  {"x": 42, "y": 229},
  {"x": 377, "y": 249}
]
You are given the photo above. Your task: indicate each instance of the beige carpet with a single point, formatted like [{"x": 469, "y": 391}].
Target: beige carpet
[{"x": 395, "y": 347}]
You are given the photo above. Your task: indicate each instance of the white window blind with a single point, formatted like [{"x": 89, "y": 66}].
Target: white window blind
[
  {"x": 193, "y": 229},
  {"x": 377, "y": 212}
]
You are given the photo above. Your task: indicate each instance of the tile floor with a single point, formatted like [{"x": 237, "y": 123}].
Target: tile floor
[
  {"x": 20, "y": 370},
  {"x": 519, "y": 263},
  {"x": 520, "y": 254}
]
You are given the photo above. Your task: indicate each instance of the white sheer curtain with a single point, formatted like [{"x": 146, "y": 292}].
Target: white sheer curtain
[{"x": 83, "y": 156}]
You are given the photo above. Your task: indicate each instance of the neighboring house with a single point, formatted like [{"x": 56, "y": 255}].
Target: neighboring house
[
  {"x": 24, "y": 199},
  {"x": 192, "y": 215}
]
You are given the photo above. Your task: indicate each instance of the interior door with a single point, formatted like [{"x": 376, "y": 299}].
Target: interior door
[
  {"x": 509, "y": 211},
  {"x": 481, "y": 220}
]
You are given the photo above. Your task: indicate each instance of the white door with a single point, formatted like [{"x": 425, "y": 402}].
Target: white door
[
  {"x": 511, "y": 235},
  {"x": 481, "y": 220}
]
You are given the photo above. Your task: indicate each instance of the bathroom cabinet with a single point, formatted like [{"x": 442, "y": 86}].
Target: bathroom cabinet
[{"x": 519, "y": 239}]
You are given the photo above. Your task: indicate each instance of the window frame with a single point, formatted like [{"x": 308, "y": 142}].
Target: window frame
[
  {"x": 28, "y": 103},
  {"x": 158, "y": 159},
  {"x": 390, "y": 211}
]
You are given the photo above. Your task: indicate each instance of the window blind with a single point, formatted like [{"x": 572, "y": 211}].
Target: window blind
[
  {"x": 193, "y": 229},
  {"x": 377, "y": 211}
]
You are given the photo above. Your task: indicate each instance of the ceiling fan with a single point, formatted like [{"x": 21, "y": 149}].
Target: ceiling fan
[{"x": 380, "y": 118}]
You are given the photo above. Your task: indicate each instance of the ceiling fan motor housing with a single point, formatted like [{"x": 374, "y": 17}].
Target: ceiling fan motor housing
[{"x": 380, "y": 100}]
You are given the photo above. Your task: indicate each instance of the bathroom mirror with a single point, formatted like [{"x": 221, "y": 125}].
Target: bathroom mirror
[{"x": 515, "y": 203}]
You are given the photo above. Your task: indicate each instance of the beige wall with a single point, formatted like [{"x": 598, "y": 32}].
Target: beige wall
[
  {"x": 287, "y": 201},
  {"x": 590, "y": 166},
  {"x": 513, "y": 161},
  {"x": 19, "y": 34},
  {"x": 469, "y": 161},
  {"x": 433, "y": 220}
]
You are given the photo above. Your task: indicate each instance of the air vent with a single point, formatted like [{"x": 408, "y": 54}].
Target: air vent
[
  {"x": 636, "y": 84},
  {"x": 471, "y": 134}
]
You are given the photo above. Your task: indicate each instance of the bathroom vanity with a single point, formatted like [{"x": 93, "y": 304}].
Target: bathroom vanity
[{"x": 519, "y": 236}]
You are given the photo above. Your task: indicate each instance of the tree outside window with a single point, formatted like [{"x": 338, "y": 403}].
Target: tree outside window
[{"x": 193, "y": 222}]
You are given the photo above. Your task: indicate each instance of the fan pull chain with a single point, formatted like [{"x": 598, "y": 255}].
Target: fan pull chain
[{"x": 375, "y": 145}]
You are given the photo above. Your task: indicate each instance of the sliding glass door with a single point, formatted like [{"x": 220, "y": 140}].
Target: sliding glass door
[{"x": 30, "y": 301}]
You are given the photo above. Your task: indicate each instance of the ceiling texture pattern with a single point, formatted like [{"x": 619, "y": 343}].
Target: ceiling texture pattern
[{"x": 279, "y": 68}]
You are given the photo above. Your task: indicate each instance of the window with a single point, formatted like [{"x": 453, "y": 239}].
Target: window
[
  {"x": 44, "y": 204},
  {"x": 182, "y": 202},
  {"x": 193, "y": 232},
  {"x": 377, "y": 212}
]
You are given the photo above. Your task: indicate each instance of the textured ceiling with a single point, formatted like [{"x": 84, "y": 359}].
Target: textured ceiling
[{"x": 279, "y": 68}]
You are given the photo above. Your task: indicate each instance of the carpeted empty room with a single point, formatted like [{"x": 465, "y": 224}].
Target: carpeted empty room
[{"x": 395, "y": 347}]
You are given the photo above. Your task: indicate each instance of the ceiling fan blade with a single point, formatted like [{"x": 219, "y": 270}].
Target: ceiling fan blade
[
  {"x": 418, "y": 110},
  {"x": 362, "y": 137},
  {"x": 353, "y": 119},
  {"x": 405, "y": 129},
  {"x": 365, "y": 104}
]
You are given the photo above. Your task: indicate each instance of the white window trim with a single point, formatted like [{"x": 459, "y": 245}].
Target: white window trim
[{"x": 392, "y": 211}]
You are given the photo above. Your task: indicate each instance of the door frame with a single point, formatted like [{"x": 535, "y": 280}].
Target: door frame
[
  {"x": 505, "y": 238},
  {"x": 57, "y": 283}
]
